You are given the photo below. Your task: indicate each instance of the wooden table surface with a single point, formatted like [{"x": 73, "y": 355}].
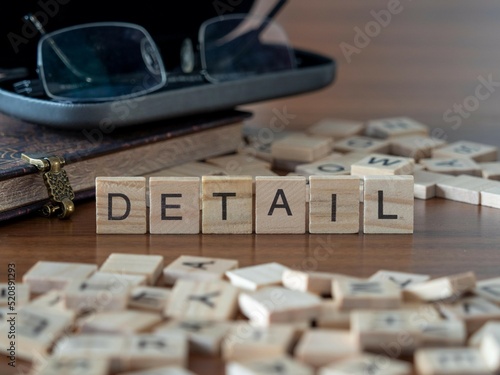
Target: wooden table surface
[{"x": 431, "y": 56}]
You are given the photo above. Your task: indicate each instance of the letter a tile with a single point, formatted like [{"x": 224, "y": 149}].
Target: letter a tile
[
  {"x": 121, "y": 205},
  {"x": 388, "y": 204},
  {"x": 280, "y": 204}
]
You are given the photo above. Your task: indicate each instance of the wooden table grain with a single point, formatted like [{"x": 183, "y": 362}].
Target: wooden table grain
[{"x": 426, "y": 62}]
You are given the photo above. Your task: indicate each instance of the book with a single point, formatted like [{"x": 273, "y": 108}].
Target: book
[{"x": 102, "y": 151}]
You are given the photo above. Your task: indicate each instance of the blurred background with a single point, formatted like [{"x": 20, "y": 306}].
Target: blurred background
[{"x": 435, "y": 61}]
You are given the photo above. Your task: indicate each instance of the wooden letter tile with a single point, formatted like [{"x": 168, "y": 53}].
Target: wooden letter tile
[
  {"x": 119, "y": 322},
  {"x": 452, "y": 166},
  {"x": 491, "y": 170},
  {"x": 257, "y": 276},
  {"x": 301, "y": 147},
  {"x": 277, "y": 304},
  {"x": 330, "y": 166},
  {"x": 74, "y": 366},
  {"x": 378, "y": 164},
  {"x": 334, "y": 204},
  {"x": 149, "y": 298},
  {"x": 490, "y": 349},
  {"x": 476, "y": 151},
  {"x": 450, "y": 361},
  {"x": 388, "y": 204},
  {"x": 45, "y": 276},
  {"x": 320, "y": 347},
  {"x": 477, "y": 337},
  {"x": 197, "y": 268},
  {"x": 368, "y": 364},
  {"x": 36, "y": 330},
  {"x": 174, "y": 205},
  {"x": 401, "y": 279},
  {"x": 280, "y": 204},
  {"x": 490, "y": 197},
  {"x": 208, "y": 300},
  {"x": 360, "y": 143},
  {"x": 247, "y": 342},
  {"x": 205, "y": 336},
  {"x": 464, "y": 188},
  {"x": 360, "y": 294},
  {"x": 149, "y": 266},
  {"x": 444, "y": 288},
  {"x": 489, "y": 289},
  {"x": 395, "y": 127},
  {"x": 415, "y": 146},
  {"x": 14, "y": 295},
  {"x": 330, "y": 316},
  {"x": 319, "y": 283},
  {"x": 227, "y": 204},
  {"x": 425, "y": 183},
  {"x": 271, "y": 366},
  {"x": 121, "y": 205}
]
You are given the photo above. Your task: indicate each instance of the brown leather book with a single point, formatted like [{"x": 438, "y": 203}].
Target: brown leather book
[{"x": 101, "y": 151}]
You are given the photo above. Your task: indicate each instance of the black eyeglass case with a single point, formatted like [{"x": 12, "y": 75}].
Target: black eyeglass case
[{"x": 19, "y": 43}]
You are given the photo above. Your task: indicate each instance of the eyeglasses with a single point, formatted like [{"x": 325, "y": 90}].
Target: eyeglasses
[{"x": 99, "y": 62}]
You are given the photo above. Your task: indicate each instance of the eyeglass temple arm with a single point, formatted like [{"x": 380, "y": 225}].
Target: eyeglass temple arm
[{"x": 66, "y": 61}]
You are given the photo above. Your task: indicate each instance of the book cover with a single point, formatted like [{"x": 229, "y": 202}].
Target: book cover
[{"x": 104, "y": 151}]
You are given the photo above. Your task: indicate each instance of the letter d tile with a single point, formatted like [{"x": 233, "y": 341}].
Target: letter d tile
[{"x": 121, "y": 205}]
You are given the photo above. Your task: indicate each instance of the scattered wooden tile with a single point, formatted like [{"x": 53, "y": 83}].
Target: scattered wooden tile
[
  {"x": 401, "y": 279},
  {"x": 280, "y": 205},
  {"x": 388, "y": 204},
  {"x": 379, "y": 164},
  {"x": 476, "y": 151},
  {"x": 334, "y": 204},
  {"x": 121, "y": 205},
  {"x": 365, "y": 363},
  {"x": 45, "y": 276},
  {"x": 362, "y": 144},
  {"x": 330, "y": 316},
  {"x": 425, "y": 183},
  {"x": 301, "y": 147},
  {"x": 167, "y": 370},
  {"x": 490, "y": 350},
  {"x": 257, "y": 276},
  {"x": 197, "y": 268},
  {"x": 147, "y": 351},
  {"x": 477, "y": 337},
  {"x": 247, "y": 342},
  {"x": 259, "y": 141},
  {"x": 15, "y": 295},
  {"x": 489, "y": 289},
  {"x": 319, "y": 283},
  {"x": 208, "y": 300},
  {"x": 331, "y": 165},
  {"x": 441, "y": 333},
  {"x": 491, "y": 170},
  {"x": 277, "y": 304},
  {"x": 395, "y": 127},
  {"x": 452, "y": 166},
  {"x": 464, "y": 188},
  {"x": 475, "y": 311},
  {"x": 336, "y": 128},
  {"x": 320, "y": 347},
  {"x": 119, "y": 322},
  {"x": 381, "y": 331},
  {"x": 490, "y": 197},
  {"x": 369, "y": 294},
  {"x": 149, "y": 298},
  {"x": 227, "y": 204},
  {"x": 101, "y": 292},
  {"x": 36, "y": 330},
  {"x": 74, "y": 366},
  {"x": 149, "y": 266},
  {"x": 415, "y": 146},
  {"x": 205, "y": 336},
  {"x": 444, "y": 288},
  {"x": 174, "y": 205},
  {"x": 271, "y": 366},
  {"x": 450, "y": 361}
]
